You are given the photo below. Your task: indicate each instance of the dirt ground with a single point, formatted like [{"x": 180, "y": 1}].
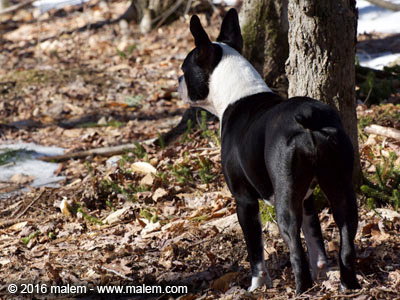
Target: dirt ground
[{"x": 150, "y": 216}]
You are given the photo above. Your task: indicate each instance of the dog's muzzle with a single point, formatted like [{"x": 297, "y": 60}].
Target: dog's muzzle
[{"x": 182, "y": 90}]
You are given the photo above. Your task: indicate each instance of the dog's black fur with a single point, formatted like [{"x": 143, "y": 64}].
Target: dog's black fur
[{"x": 271, "y": 146}]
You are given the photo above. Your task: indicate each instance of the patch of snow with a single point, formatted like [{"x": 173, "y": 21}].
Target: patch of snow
[
  {"x": 27, "y": 164},
  {"x": 374, "y": 18},
  {"x": 378, "y": 60},
  {"x": 45, "y": 5},
  {"x": 227, "y": 2}
]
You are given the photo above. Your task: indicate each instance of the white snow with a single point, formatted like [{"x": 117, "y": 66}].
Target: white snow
[
  {"x": 27, "y": 164},
  {"x": 45, "y": 5},
  {"x": 378, "y": 60},
  {"x": 372, "y": 18}
]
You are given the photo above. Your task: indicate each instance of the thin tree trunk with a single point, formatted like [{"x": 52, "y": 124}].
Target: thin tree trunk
[
  {"x": 264, "y": 27},
  {"x": 386, "y": 4},
  {"x": 321, "y": 64}
]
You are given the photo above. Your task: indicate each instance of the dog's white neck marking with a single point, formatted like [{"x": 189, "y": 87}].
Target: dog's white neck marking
[{"x": 233, "y": 78}]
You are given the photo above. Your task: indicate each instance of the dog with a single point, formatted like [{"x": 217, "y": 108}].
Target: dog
[{"x": 274, "y": 147}]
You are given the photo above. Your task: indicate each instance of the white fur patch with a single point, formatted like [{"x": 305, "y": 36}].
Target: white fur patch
[
  {"x": 262, "y": 278},
  {"x": 183, "y": 91},
  {"x": 232, "y": 79}
]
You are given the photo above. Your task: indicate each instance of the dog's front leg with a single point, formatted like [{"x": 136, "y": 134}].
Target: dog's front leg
[{"x": 249, "y": 219}]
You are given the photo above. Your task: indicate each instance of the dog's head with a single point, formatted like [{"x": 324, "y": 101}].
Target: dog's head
[{"x": 216, "y": 74}]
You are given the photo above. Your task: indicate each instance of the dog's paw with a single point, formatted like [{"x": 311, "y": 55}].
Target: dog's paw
[
  {"x": 319, "y": 269},
  {"x": 257, "y": 282},
  {"x": 344, "y": 288}
]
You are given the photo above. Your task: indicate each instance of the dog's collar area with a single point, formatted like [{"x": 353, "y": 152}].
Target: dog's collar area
[{"x": 233, "y": 79}]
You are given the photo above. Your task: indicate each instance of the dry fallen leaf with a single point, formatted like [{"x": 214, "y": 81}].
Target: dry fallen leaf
[
  {"x": 159, "y": 193},
  {"x": 147, "y": 180},
  {"x": 115, "y": 216},
  {"x": 21, "y": 179},
  {"x": 223, "y": 283},
  {"x": 143, "y": 168}
]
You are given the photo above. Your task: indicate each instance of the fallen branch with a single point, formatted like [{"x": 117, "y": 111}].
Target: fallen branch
[
  {"x": 16, "y": 7},
  {"x": 385, "y": 4},
  {"x": 105, "y": 151},
  {"x": 166, "y": 14},
  {"x": 29, "y": 205},
  {"x": 384, "y": 131}
]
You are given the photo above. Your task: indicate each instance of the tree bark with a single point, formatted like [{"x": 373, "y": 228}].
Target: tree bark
[
  {"x": 321, "y": 64},
  {"x": 264, "y": 27}
]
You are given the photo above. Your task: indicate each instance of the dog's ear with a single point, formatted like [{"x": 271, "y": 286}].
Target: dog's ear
[
  {"x": 230, "y": 31},
  {"x": 201, "y": 40},
  {"x": 200, "y": 36}
]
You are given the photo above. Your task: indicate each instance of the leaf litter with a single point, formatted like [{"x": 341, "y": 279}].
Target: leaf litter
[{"x": 150, "y": 216}]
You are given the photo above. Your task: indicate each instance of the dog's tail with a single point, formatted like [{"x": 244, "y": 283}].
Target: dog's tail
[{"x": 326, "y": 131}]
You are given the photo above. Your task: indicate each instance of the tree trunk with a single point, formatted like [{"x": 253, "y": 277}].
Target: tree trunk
[
  {"x": 4, "y": 4},
  {"x": 154, "y": 13},
  {"x": 264, "y": 27},
  {"x": 321, "y": 64}
]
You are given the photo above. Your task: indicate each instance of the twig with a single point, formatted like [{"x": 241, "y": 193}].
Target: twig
[
  {"x": 385, "y": 4},
  {"x": 168, "y": 13},
  {"x": 16, "y": 7},
  {"x": 29, "y": 205},
  {"x": 188, "y": 5},
  {"x": 350, "y": 296},
  {"x": 117, "y": 273},
  {"x": 105, "y": 151},
  {"x": 13, "y": 221}
]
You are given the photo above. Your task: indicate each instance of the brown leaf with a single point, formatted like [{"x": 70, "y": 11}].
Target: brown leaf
[{"x": 223, "y": 283}]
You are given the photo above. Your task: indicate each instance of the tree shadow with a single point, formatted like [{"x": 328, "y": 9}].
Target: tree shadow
[{"x": 378, "y": 45}]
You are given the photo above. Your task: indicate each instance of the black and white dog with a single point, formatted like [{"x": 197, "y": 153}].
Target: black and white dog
[{"x": 271, "y": 146}]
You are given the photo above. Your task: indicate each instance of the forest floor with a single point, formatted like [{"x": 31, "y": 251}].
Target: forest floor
[{"x": 153, "y": 216}]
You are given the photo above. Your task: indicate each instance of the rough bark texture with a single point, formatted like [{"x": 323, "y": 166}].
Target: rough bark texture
[
  {"x": 322, "y": 39},
  {"x": 264, "y": 27}
]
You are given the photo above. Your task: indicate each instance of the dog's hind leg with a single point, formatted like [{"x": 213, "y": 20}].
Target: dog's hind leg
[
  {"x": 315, "y": 244},
  {"x": 289, "y": 216},
  {"x": 291, "y": 179},
  {"x": 343, "y": 202}
]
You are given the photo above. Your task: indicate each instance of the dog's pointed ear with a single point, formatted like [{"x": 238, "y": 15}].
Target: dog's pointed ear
[
  {"x": 204, "y": 46},
  {"x": 200, "y": 36},
  {"x": 230, "y": 31}
]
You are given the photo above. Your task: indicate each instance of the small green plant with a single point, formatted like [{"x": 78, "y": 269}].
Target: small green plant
[
  {"x": 149, "y": 214},
  {"x": 320, "y": 200},
  {"x": 181, "y": 172},
  {"x": 89, "y": 217},
  {"x": 121, "y": 54},
  {"x": 139, "y": 151},
  {"x": 161, "y": 141},
  {"x": 188, "y": 130},
  {"x": 212, "y": 136},
  {"x": 267, "y": 212},
  {"x": 383, "y": 186},
  {"x": 162, "y": 176},
  {"x": 205, "y": 169},
  {"x": 134, "y": 101},
  {"x": 8, "y": 155},
  {"x": 25, "y": 240}
]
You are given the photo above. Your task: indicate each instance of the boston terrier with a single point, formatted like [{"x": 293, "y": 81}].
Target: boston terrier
[{"x": 274, "y": 147}]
